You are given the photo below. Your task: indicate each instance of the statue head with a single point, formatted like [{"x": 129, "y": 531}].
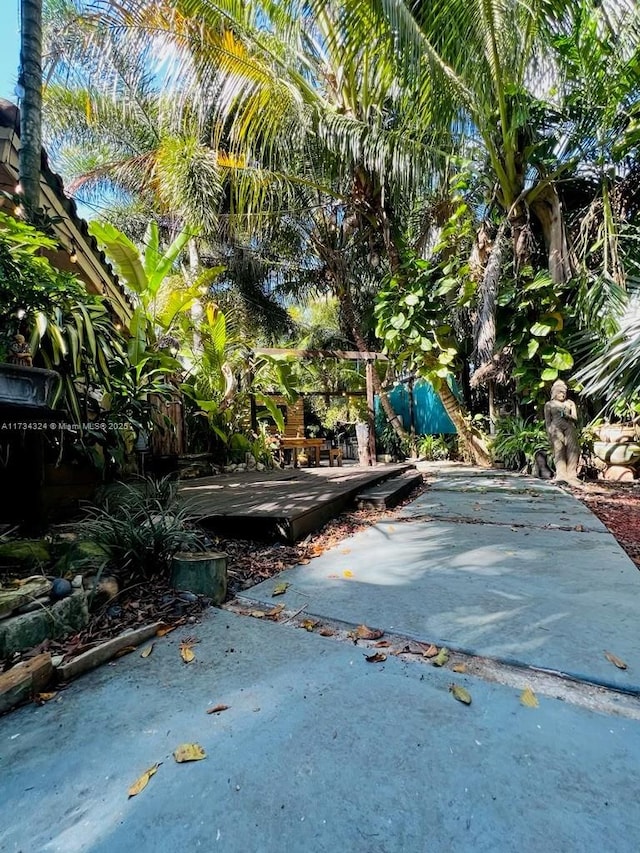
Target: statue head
[{"x": 559, "y": 390}]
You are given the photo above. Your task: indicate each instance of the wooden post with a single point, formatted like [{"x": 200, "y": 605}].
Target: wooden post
[{"x": 371, "y": 415}]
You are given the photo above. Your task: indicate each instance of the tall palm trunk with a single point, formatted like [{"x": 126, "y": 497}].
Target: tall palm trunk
[
  {"x": 470, "y": 438},
  {"x": 548, "y": 210},
  {"x": 31, "y": 108}
]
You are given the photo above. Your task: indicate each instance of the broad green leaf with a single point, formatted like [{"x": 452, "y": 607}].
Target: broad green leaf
[
  {"x": 540, "y": 329},
  {"x": 167, "y": 261},
  {"x": 152, "y": 248},
  {"x": 549, "y": 374},
  {"x": 560, "y": 359},
  {"x": 272, "y": 408},
  {"x": 122, "y": 253},
  {"x": 532, "y": 347}
]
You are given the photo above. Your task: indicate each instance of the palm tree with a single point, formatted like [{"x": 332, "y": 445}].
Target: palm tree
[{"x": 30, "y": 79}]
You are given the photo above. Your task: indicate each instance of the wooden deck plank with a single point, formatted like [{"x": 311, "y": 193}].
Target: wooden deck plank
[{"x": 284, "y": 504}]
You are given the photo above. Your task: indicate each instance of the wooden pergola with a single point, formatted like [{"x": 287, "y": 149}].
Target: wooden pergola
[{"x": 344, "y": 355}]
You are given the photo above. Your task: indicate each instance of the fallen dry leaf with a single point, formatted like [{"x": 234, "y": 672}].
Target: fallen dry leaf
[
  {"x": 126, "y": 651},
  {"x": 430, "y": 652},
  {"x": 189, "y": 752},
  {"x": 41, "y": 698},
  {"x": 529, "y": 698},
  {"x": 326, "y": 632},
  {"x": 345, "y": 551},
  {"x": 459, "y": 667},
  {"x": 280, "y": 588},
  {"x": 410, "y": 649},
  {"x": 615, "y": 661},
  {"x": 257, "y": 614},
  {"x": 309, "y": 624},
  {"x": 186, "y": 652},
  {"x": 217, "y": 708},
  {"x": 441, "y": 658},
  {"x": 460, "y": 694},
  {"x": 146, "y": 652},
  {"x": 141, "y": 783},
  {"x": 383, "y": 644},
  {"x": 377, "y": 658},
  {"x": 162, "y": 632},
  {"x": 362, "y": 632},
  {"x": 348, "y": 573},
  {"x": 304, "y": 562},
  {"x": 274, "y": 613}
]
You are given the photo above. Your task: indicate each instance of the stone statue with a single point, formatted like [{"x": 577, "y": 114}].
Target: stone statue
[
  {"x": 19, "y": 352},
  {"x": 560, "y": 416}
]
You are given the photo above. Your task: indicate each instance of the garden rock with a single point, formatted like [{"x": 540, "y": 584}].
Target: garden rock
[
  {"x": 60, "y": 588},
  {"x": 54, "y": 622}
]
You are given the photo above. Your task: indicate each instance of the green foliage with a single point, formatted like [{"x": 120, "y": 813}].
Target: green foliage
[
  {"x": 534, "y": 319},
  {"x": 517, "y": 439},
  {"x": 410, "y": 321},
  {"x": 435, "y": 447},
  {"x": 388, "y": 441},
  {"x": 239, "y": 445},
  {"x": 140, "y": 526},
  {"x": 29, "y": 285}
]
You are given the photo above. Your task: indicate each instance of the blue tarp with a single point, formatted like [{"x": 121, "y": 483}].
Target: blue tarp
[{"x": 429, "y": 416}]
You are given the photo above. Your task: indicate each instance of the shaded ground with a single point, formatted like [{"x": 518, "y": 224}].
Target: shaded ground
[
  {"x": 312, "y": 743},
  {"x": 249, "y": 563},
  {"x": 617, "y": 505}
]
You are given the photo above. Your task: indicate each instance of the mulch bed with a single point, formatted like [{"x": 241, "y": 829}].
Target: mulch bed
[{"x": 617, "y": 505}]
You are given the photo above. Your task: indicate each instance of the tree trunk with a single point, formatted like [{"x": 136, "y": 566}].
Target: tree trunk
[
  {"x": 470, "y": 437},
  {"x": 31, "y": 107},
  {"x": 548, "y": 210},
  {"x": 485, "y": 325}
]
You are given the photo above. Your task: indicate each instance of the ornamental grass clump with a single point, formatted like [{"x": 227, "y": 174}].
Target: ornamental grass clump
[{"x": 140, "y": 526}]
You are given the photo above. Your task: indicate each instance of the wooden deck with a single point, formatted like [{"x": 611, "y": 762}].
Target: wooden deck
[{"x": 285, "y": 504}]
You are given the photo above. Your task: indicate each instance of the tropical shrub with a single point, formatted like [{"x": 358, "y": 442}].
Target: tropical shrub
[
  {"x": 517, "y": 439},
  {"x": 140, "y": 526},
  {"x": 434, "y": 447}
]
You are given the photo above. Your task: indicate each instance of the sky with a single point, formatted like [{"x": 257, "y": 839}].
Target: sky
[{"x": 9, "y": 48}]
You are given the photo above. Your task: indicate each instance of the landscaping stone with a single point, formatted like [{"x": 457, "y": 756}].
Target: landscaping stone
[
  {"x": 12, "y": 599},
  {"x": 60, "y": 588},
  {"x": 37, "y": 604},
  {"x": 203, "y": 572},
  {"x": 54, "y": 622}
]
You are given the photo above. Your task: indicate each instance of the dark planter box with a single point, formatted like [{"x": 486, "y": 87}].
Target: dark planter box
[{"x": 26, "y": 387}]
